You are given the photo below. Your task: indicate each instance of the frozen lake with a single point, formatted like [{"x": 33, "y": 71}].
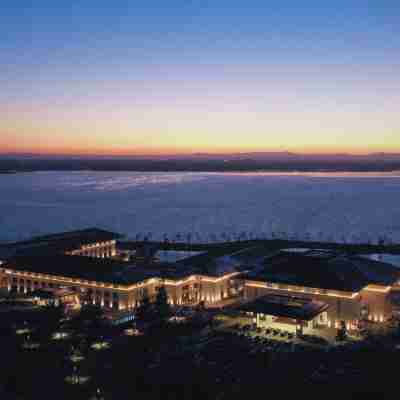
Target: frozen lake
[{"x": 208, "y": 206}]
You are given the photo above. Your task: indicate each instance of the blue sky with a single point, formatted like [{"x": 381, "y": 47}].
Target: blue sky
[{"x": 176, "y": 64}]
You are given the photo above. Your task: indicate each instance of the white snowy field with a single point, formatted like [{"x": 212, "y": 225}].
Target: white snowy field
[{"x": 206, "y": 206}]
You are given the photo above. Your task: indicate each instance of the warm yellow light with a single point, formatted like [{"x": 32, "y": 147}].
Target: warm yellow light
[
  {"x": 301, "y": 290},
  {"x": 376, "y": 288}
]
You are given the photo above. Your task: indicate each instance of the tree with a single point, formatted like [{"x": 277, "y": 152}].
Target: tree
[
  {"x": 47, "y": 320},
  {"x": 341, "y": 332},
  {"x": 162, "y": 308},
  {"x": 144, "y": 311},
  {"x": 90, "y": 321},
  {"x": 54, "y": 314},
  {"x": 91, "y": 313}
]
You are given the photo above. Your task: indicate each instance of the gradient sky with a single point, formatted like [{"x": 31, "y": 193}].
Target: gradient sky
[{"x": 159, "y": 76}]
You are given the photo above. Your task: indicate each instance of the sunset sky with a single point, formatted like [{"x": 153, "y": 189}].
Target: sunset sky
[{"x": 158, "y": 76}]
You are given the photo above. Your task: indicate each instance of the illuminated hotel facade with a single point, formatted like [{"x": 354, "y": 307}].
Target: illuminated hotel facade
[
  {"x": 104, "y": 249},
  {"x": 353, "y": 289},
  {"x": 347, "y": 289},
  {"x": 188, "y": 290},
  {"x": 87, "y": 261},
  {"x": 372, "y": 302}
]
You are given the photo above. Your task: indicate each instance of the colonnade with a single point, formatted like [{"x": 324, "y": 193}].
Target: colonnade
[{"x": 97, "y": 250}]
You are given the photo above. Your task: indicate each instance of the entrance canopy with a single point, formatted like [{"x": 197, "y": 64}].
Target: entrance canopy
[{"x": 286, "y": 307}]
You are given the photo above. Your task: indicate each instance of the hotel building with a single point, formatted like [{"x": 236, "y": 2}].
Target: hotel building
[
  {"x": 298, "y": 287},
  {"x": 110, "y": 283},
  {"x": 86, "y": 261},
  {"x": 348, "y": 289}
]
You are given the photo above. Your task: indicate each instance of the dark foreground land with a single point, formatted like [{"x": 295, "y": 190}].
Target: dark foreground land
[
  {"x": 198, "y": 358},
  {"x": 191, "y": 360}
]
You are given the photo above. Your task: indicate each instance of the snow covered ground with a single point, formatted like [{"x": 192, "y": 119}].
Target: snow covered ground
[{"x": 202, "y": 206}]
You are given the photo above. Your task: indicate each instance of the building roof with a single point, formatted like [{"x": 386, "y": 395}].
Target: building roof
[
  {"x": 323, "y": 269},
  {"x": 217, "y": 265},
  {"x": 285, "y": 306},
  {"x": 84, "y": 268},
  {"x": 60, "y": 242}
]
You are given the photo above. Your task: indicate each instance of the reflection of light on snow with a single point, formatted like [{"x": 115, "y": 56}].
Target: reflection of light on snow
[{"x": 204, "y": 207}]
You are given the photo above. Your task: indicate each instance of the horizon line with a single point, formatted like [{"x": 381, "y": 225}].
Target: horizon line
[{"x": 196, "y": 153}]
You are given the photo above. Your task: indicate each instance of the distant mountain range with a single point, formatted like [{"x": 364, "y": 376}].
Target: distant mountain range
[
  {"x": 256, "y": 156},
  {"x": 251, "y": 161},
  {"x": 264, "y": 156}
]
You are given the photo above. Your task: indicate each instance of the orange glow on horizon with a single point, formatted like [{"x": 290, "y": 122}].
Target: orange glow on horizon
[
  {"x": 181, "y": 151},
  {"x": 221, "y": 128}
]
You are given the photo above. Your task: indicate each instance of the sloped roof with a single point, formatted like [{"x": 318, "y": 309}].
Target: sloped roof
[
  {"x": 61, "y": 242},
  {"x": 97, "y": 269},
  {"x": 85, "y": 268},
  {"x": 325, "y": 270},
  {"x": 285, "y": 306}
]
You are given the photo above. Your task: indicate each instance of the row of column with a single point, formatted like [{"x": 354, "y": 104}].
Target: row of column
[
  {"x": 103, "y": 298},
  {"x": 208, "y": 292},
  {"x": 23, "y": 285},
  {"x": 98, "y": 252}
]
